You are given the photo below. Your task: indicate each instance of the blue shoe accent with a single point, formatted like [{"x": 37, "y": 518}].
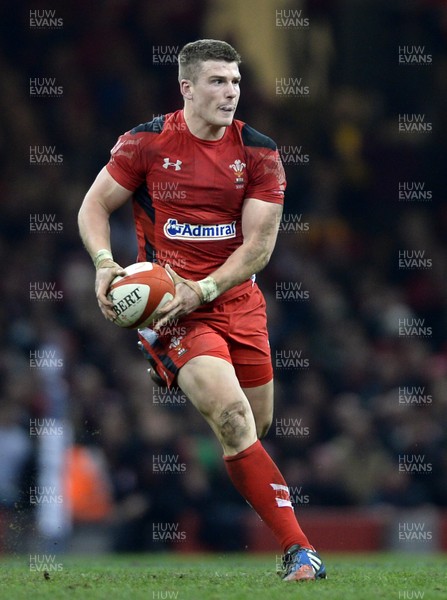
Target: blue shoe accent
[{"x": 302, "y": 564}]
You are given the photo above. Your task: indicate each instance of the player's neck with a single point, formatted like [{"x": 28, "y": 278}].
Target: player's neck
[{"x": 203, "y": 130}]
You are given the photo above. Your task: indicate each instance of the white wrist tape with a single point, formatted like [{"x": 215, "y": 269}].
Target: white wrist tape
[
  {"x": 101, "y": 256},
  {"x": 208, "y": 287}
]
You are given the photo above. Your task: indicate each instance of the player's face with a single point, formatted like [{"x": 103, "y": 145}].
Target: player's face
[{"x": 214, "y": 94}]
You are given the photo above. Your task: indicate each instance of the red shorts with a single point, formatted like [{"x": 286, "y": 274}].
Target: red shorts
[{"x": 233, "y": 329}]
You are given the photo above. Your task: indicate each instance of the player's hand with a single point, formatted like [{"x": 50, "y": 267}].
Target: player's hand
[
  {"x": 188, "y": 297},
  {"x": 105, "y": 274}
]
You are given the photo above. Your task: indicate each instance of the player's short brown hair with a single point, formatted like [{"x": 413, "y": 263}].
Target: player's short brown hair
[{"x": 193, "y": 53}]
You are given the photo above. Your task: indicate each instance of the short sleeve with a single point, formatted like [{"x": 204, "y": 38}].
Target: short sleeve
[
  {"x": 267, "y": 179},
  {"x": 126, "y": 164}
]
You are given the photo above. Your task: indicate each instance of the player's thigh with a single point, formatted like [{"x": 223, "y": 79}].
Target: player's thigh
[
  {"x": 213, "y": 388},
  {"x": 261, "y": 402}
]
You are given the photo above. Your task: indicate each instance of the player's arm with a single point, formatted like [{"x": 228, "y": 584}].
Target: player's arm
[
  {"x": 101, "y": 200},
  {"x": 260, "y": 222}
]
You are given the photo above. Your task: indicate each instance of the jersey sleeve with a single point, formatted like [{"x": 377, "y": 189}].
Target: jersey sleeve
[
  {"x": 125, "y": 164},
  {"x": 267, "y": 179}
]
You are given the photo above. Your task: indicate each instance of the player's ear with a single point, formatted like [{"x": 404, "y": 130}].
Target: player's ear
[{"x": 186, "y": 88}]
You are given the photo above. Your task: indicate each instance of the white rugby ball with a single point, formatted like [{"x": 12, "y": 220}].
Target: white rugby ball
[{"x": 138, "y": 295}]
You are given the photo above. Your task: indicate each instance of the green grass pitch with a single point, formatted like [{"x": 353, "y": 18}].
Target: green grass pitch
[{"x": 222, "y": 577}]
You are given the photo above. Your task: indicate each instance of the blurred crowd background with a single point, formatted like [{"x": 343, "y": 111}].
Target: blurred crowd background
[{"x": 345, "y": 159}]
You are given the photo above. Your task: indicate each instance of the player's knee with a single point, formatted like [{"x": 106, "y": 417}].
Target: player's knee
[{"x": 233, "y": 423}]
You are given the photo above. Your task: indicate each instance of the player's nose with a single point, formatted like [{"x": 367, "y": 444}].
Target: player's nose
[{"x": 231, "y": 91}]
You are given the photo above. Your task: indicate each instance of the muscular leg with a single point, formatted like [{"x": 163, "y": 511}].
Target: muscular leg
[{"x": 212, "y": 386}]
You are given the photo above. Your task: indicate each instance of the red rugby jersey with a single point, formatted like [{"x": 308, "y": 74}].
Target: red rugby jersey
[{"x": 188, "y": 193}]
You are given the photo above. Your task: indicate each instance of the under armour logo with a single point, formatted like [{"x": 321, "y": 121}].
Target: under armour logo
[{"x": 176, "y": 165}]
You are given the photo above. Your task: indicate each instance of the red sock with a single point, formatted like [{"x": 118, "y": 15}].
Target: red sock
[{"x": 258, "y": 479}]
